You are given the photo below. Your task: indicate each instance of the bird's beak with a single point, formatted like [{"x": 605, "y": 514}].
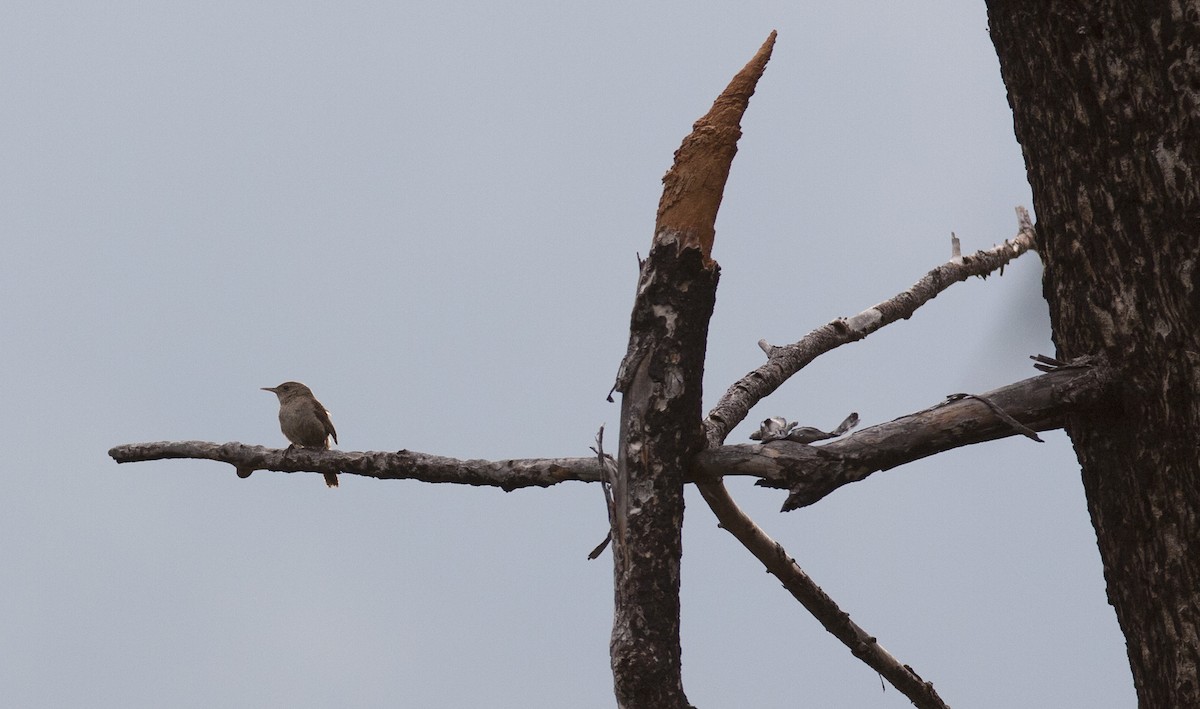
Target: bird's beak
[{"x": 270, "y": 389}]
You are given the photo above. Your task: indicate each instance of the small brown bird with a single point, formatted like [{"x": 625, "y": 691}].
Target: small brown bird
[{"x": 304, "y": 420}]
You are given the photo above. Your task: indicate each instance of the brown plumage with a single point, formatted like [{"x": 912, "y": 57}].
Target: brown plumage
[{"x": 304, "y": 420}]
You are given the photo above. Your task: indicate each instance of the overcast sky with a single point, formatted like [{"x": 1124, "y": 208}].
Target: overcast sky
[{"x": 430, "y": 213}]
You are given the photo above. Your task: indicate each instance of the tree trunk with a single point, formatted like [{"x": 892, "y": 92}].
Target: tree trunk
[
  {"x": 660, "y": 433},
  {"x": 660, "y": 383},
  {"x": 1106, "y": 103}
]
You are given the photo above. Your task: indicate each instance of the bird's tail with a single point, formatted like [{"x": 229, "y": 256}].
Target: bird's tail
[
  {"x": 331, "y": 479},
  {"x": 850, "y": 422}
]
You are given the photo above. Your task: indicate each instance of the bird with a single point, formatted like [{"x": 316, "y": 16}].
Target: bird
[
  {"x": 304, "y": 420},
  {"x": 777, "y": 428}
]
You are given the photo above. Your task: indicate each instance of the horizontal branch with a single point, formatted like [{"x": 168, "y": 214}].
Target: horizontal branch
[
  {"x": 782, "y": 362},
  {"x": 401, "y": 465},
  {"x": 810, "y": 472},
  {"x": 1039, "y": 403}
]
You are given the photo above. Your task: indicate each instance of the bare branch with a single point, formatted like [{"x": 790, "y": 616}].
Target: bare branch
[
  {"x": 814, "y": 471},
  {"x": 783, "y": 362},
  {"x": 1039, "y": 403},
  {"x": 773, "y": 556},
  {"x": 401, "y": 465}
]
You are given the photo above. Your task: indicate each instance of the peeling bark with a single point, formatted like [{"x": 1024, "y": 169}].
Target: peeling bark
[{"x": 660, "y": 433}]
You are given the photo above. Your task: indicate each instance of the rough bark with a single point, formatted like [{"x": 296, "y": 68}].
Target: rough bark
[
  {"x": 810, "y": 472},
  {"x": 660, "y": 384},
  {"x": 1106, "y": 102},
  {"x": 660, "y": 432}
]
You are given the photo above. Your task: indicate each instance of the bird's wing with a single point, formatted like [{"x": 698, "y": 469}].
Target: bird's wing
[{"x": 323, "y": 416}]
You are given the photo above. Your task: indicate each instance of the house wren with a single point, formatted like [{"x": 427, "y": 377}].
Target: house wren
[{"x": 304, "y": 420}]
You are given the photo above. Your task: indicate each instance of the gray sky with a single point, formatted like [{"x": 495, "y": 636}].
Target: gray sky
[{"x": 429, "y": 212}]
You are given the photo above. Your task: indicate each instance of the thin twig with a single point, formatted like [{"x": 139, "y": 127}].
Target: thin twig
[
  {"x": 610, "y": 470},
  {"x": 1000, "y": 414}
]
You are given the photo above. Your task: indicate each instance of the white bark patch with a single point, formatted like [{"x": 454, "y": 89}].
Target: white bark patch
[
  {"x": 645, "y": 281},
  {"x": 864, "y": 320},
  {"x": 668, "y": 315}
]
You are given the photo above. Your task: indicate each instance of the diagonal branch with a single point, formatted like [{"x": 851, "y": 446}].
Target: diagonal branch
[
  {"x": 1039, "y": 403},
  {"x": 782, "y": 362},
  {"x": 773, "y": 556}
]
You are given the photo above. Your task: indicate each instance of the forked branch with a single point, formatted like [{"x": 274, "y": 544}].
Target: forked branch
[{"x": 784, "y": 361}]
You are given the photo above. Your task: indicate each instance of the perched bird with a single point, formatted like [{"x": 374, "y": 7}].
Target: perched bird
[
  {"x": 304, "y": 420},
  {"x": 777, "y": 428}
]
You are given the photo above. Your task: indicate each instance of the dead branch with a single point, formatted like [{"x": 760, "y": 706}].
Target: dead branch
[
  {"x": 776, "y": 560},
  {"x": 1039, "y": 403},
  {"x": 400, "y": 465},
  {"x": 784, "y": 361}
]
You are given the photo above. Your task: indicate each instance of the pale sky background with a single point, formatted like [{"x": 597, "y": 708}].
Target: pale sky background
[{"x": 430, "y": 213}]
